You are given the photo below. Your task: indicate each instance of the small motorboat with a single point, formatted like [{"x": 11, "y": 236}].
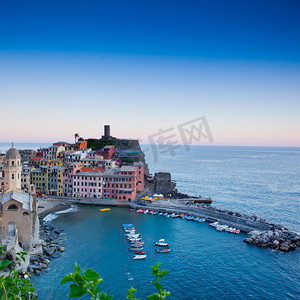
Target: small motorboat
[
  {"x": 160, "y": 214},
  {"x": 136, "y": 249},
  {"x": 162, "y": 243},
  {"x": 104, "y": 209},
  {"x": 129, "y": 276},
  {"x": 133, "y": 240},
  {"x": 139, "y": 252},
  {"x": 137, "y": 244},
  {"x": 163, "y": 250},
  {"x": 138, "y": 256}
]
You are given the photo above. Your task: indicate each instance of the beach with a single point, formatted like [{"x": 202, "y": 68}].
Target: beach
[{"x": 46, "y": 207}]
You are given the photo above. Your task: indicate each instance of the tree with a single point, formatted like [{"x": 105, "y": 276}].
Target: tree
[{"x": 12, "y": 285}]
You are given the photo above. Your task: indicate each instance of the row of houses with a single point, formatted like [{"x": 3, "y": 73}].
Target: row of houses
[{"x": 76, "y": 171}]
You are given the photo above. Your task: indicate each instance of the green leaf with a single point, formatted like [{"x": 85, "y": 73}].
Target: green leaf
[
  {"x": 91, "y": 275},
  {"x": 67, "y": 278},
  {"x": 77, "y": 268},
  {"x": 154, "y": 297},
  {"x": 77, "y": 278},
  {"x": 4, "y": 264},
  {"x": 164, "y": 273},
  {"x": 76, "y": 291},
  {"x": 157, "y": 285}
]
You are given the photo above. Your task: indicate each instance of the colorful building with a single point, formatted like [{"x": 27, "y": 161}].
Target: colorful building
[
  {"x": 108, "y": 152},
  {"x": 39, "y": 178}
]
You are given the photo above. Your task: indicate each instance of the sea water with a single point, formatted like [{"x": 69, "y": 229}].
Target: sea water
[{"x": 204, "y": 263}]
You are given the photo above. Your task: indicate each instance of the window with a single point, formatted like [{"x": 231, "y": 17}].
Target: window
[
  {"x": 25, "y": 213},
  {"x": 12, "y": 207},
  {"x": 12, "y": 176}
]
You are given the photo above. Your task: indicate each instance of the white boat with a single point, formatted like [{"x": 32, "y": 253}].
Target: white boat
[
  {"x": 162, "y": 243},
  {"x": 129, "y": 276},
  {"x": 134, "y": 240},
  {"x": 146, "y": 211},
  {"x": 136, "y": 249},
  {"x": 134, "y": 236},
  {"x": 139, "y": 256}
]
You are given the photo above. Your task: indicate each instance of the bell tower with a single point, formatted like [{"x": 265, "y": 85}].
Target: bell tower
[{"x": 12, "y": 170}]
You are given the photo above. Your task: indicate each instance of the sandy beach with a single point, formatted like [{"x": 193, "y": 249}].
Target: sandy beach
[{"x": 46, "y": 207}]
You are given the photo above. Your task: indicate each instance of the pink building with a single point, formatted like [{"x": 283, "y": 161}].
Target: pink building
[
  {"x": 69, "y": 172},
  {"x": 140, "y": 176},
  {"x": 117, "y": 183},
  {"x": 87, "y": 185},
  {"x": 108, "y": 152}
]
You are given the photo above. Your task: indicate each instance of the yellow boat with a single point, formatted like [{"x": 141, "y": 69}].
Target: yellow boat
[{"x": 104, "y": 209}]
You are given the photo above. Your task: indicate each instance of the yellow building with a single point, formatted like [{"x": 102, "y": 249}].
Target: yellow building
[
  {"x": 60, "y": 179},
  {"x": 39, "y": 178},
  {"x": 52, "y": 163}
]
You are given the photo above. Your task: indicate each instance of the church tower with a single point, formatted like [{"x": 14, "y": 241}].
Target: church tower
[{"x": 12, "y": 170}]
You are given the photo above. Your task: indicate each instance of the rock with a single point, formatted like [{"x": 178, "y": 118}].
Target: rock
[
  {"x": 50, "y": 250},
  {"x": 44, "y": 266},
  {"x": 248, "y": 240},
  {"x": 46, "y": 261},
  {"x": 56, "y": 255},
  {"x": 22, "y": 271},
  {"x": 61, "y": 249},
  {"x": 284, "y": 247}
]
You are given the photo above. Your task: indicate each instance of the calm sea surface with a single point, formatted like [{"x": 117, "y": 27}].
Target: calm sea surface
[{"x": 204, "y": 263}]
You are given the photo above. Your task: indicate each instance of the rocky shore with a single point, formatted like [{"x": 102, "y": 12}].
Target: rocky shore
[
  {"x": 53, "y": 243},
  {"x": 278, "y": 238}
]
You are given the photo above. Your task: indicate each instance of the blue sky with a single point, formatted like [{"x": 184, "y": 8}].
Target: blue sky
[{"x": 72, "y": 66}]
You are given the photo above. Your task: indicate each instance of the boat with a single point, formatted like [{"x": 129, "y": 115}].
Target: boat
[
  {"x": 146, "y": 211},
  {"x": 155, "y": 213},
  {"x": 160, "y": 214},
  {"x": 129, "y": 276},
  {"x": 133, "y": 235},
  {"x": 162, "y": 250},
  {"x": 202, "y": 220},
  {"x": 104, "y": 209},
  {"x": 137, "y": 244},
  {"x": 162, "y": 243},
  {"x": 140, "y": 252},
  {"x": 136, "y": 249},
  {"x": 133, "y": 240},
  {"x": 139, "y": 256}
]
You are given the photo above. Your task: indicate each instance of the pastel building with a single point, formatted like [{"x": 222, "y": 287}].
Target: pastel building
[
  {"x": 39, "y": 178},
  {"x": 108, "y": 152},
  {"x": 87, "y": 184},
  {"x": 69, "y": 171},
  {"x": 54, "y": 150}
]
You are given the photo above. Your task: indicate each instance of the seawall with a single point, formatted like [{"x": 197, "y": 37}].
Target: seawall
[{"x": 170, "y": 206}]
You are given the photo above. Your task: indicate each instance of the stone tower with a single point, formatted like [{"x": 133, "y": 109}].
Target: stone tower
[{"x": 12, "y": 170}]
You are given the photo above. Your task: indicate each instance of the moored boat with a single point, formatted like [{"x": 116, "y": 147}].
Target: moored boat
[
  {"x": 138, "y": 256},
  {"x": 140, "y": 252},
  {"x": 162, "y": 243},
  {"x": 163, "y": 250},
  {"x": 104, "y": 209}
]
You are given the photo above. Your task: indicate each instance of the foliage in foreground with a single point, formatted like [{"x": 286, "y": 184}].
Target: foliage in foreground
[
  {"x": 87, "y": 282},
  {"x": 13, "y": 286},
  {"x": 83, "y": 282}
]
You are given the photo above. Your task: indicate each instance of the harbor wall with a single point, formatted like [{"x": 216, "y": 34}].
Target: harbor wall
[{"x": 243, "y": 224}]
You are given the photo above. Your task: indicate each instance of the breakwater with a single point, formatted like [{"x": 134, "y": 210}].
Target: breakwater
[{"x": 261, "y": 233}]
